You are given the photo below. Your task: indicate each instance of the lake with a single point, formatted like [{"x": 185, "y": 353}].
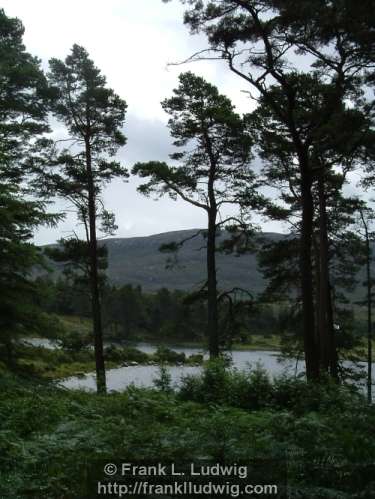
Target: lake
[{"x": 142, "y": 376}]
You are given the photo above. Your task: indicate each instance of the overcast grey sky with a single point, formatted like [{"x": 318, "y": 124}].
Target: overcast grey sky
[{"x": 131, "y": 41}]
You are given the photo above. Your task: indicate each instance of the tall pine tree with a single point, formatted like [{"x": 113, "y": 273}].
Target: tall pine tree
[
  {"x": 93, "y": 116},
  {"x": 24, "y": 99},
  {"x": 211, "y": 169},
  {"x": 259, "y": 40}
]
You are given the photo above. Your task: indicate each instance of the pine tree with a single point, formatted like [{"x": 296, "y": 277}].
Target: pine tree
[
  {"x": 212, "y": 168},
  {"x": 257, "y": 39},
  {"x": 23, "y": 120},
  {"x": 333, "y": 154},
  {"x": 93, "y": 116}
]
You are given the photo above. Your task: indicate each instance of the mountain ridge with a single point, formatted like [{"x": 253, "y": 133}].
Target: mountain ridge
[{"x": 138, "y": 261}]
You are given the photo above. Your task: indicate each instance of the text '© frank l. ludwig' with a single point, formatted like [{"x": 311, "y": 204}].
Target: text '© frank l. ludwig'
[{"x": 159, "y": 469}]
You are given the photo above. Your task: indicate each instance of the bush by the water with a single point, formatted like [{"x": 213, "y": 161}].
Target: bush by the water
[
  {"x": 253, "y": 389},
  {"x": 125, "y": 354},
  {"x": 164, "y": 354}
]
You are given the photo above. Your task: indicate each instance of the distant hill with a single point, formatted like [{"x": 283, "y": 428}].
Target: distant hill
[{"x": 138, "y": 261}]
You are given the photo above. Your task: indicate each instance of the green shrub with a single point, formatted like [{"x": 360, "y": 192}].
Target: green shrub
[
  {"x": 253, "y": 389},
  {"x": 207, "y": 387},
  {"x": 219, "y": 384},
  {"x": 164, "y": 354},
  {"x": 195, "y": 358},
  {"x": 126, "y": 354},
  {"x": 297, "y": 395},
  {"x": 114, "y": 353},
  {"x": 75, "y": 341},
  {"x": 164, "y": 380}
]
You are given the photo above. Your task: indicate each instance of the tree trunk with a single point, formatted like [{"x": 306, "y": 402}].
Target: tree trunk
[
  {"x": 308, "y": 321},
  {"x": 9, "y": 353},
  {"x": 212, "y": 308},
  {"x": 334, "y": 366},
  {"x": 94, "y": 278},
  {"x": 369, "y": 307},
  {"x": 318, "y": 308},
  {"x": 327, "y": 343},
  {"x": 212, "y": 304},
  {"x": 369, "y": 319}
]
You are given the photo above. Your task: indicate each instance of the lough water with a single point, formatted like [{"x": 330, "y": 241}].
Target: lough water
[
  {"x": 118, "y": 379},
  {"x": 144, "y": 375}
]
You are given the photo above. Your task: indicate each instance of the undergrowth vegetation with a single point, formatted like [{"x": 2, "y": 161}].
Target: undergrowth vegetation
[
  {"x": 253, "y": 389},
  {"x": 50, "y": 437}
]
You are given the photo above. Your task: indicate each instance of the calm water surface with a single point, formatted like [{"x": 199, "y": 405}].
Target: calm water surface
[
  {"x": 118, "y": 379},
  {"x": 143, "y": 376}
]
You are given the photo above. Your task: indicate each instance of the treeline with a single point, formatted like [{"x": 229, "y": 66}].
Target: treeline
[
  {"x": 177, "y": 317},
  {"x": 308, "y": 70},
  {"x": 130, "y": 314}
]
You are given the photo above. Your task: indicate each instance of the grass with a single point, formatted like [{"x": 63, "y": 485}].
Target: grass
[
  {"x": 43, "y": 370},
  {"x": 82, "y": 325},
  {"x": 50, "y": 364},
  {"x": 260, "y": 342}
]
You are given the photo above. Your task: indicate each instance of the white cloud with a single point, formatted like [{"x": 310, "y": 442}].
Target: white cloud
[{"x": 132, "y": 42}]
